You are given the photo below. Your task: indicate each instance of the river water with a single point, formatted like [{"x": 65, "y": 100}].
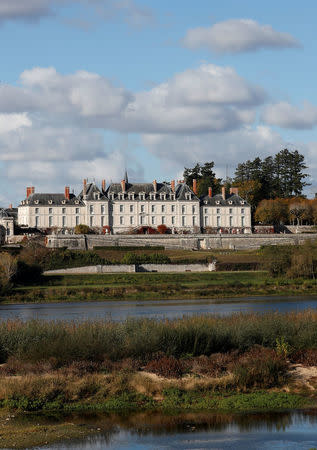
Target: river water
[
  {"x": 265, "y": 431},
  {"x": 120, "y": 310}
]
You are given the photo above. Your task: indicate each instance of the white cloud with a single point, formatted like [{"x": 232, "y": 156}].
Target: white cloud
[
  {"x": 236, "y": 36},
  {"x": 223, "y": 148},
  {"x": 12, "y": 122},
  {"x": 208, "y": 98},
  {"x": 286, "y": 115}
]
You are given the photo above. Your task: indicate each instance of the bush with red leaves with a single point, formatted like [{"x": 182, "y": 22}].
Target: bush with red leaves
[
  {"x": 167, "y": 366},
  {"x": 306, "y": 357}
]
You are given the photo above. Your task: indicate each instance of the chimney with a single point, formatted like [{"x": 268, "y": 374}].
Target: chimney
[
  {"x": 32, "y": 190},
  {"x": 10, "y": 206},
  {"x": 195, "y": 187},
  {"x": 28, "y": 192},
  {"x": 123, "y": 183},
  {"x": 84, "y": 187},
  {"x": 223, "y": 192},
  {"x": 103, "y": 185},
  {"x": 173, "y": 185},
  {"x": 210, "y": 192},
  {"x": 155, "y": 185},
  {"x": 67, "y": 192}
]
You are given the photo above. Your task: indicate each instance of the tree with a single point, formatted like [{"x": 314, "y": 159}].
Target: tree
[
  {"x": 205, "y": 177},
  {"x": 272, "y": 211},
  {"x": 297, "y": 210},
  {"x": 250, "y": 190},
  {"x": 8, "y": 267}
]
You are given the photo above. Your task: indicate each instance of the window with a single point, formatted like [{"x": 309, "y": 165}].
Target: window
[
  {"x": 153, "y": 220},
  {"x": 163, "y": 208},
  {"x": 63, "y": 210},
  {"x": 206, "y": 210},
  {"x": 206, "y": 221},
  {"x": 77, "y": 220},
  {"x": 141, "y": 196},
  {"x": 37, "y": 221},
  {"x": 141, "y": 220},
  {"x": 102, "y": 221},
  {"x": 218, "y": 221},
  {"x": 102, "y": 209},
  {"x": 142, "y": 208},
  {"x": 131, "y": 220},
  {"x": 173, "y": 220},
  {"x": 242, "y": 221},
  {"x": 121, "y": 208},
  {"x": 50, "y": 221},
  {"x": 121, "y": 220},
  {"x": 242, "y": 210},
  {"x": 131, "y": 208},
  {"x": 172, "y": 196},
  {"x": 8, "y": 231},
  {"x": 77, "y": 210},
  {"x": 230, "y": 221},
  {"x": 230, "y": 210},
  {"x": 183, "y": 221},
  {"x": 218, "y": 210},
  {"x": 183, "y": 209},
  {"x": 91, "y": 221},
  {"x": 50, "y": 210},
  {"x": 36, "y": 210},
  {"x": 163, "y": 220},
  {"x": 153, "y": 208},
  {"x": 173, "y": 208},
  {"x": 64, "y": 221},
  {"x": 194, "y": 209},
  {"x": 194, "y": 221}
]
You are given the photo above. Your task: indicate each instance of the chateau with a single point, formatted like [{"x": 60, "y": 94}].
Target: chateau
[{"x": 123, "y": 207}]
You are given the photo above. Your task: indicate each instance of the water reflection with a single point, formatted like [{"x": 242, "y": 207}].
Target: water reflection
[
  {"x": 279, "y": 430},
  {"x": 120, "y": 310}
]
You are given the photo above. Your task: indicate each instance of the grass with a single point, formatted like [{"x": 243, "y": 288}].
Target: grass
[{"x": 152, "y": 286}]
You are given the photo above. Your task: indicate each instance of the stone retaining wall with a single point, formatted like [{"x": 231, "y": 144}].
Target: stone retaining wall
[
  {"x": 189, "y": 242},
  {"x": 131, "y": 268}
]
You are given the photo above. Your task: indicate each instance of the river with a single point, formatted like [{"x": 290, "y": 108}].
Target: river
[
  {"x": 160, "y": 309},
  {"x": 265, "y": 431}
]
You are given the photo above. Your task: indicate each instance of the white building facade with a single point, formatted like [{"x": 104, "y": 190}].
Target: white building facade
[{"x": 125, "y": 207}]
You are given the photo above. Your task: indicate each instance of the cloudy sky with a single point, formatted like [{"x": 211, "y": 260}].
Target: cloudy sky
[{"x": 89, "y": 87}]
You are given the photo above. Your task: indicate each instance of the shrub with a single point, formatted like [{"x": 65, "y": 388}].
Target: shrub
[
  {"x": 143, "y": 258},
  {"x": 167, "y": 366},
  {"x": 261, "y": 368},
  {"x": 163, "y": 229},
  {"x": 214, "y": 365},
  {"x": 306, "y": 357},
  {"x": 82, "y": 229},
  {"x": 27, "y": 273}
]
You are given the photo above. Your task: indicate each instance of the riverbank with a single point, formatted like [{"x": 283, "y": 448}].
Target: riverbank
[
  {"x": 241, "y": 363},
  {"x": 155, "y": 286}
]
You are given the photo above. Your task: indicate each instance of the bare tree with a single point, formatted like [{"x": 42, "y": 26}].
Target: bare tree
[{"x": 8, "y": 266}]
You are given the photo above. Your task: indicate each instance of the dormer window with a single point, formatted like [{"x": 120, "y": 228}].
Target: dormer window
[
  {"x": 76, "y": 202},
  {"x": 131, "y": 196},
  {"x": 63, "y": 202},
  {"x": 112, "y": 196},
  {"x": 153, "y": 196},
  {"x": 217, "y": 202},
  {"x": 141, "y": 196},
  {"x": 50, "y": 202},
  {"x": 36, "y": 202},
  {"x": 121, "y": 196},
  {"x": 172, "y": 196},
  {"x": 97, "y": 196},
  {"x": 163, "y": 196},
  {"x": 188, "y": 196},
  {"x": 230, "y": 202},
  {"x": 243, "y": 202}
]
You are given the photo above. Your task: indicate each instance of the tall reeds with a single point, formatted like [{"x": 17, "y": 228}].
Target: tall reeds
[{"x": 141, "y": 338}]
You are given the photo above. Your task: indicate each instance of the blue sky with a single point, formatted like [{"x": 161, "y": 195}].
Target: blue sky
[{"x": 91, "y": 86}]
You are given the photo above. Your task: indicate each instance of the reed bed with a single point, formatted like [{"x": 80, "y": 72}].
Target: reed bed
[{"x": 65, "y": 342}]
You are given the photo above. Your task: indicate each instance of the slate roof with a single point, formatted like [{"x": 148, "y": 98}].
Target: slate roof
[
  {"x": 93, "y": 193},
  {"x": 148, "y": 188},
  {"x": 234, "y": 198},
  {"x": 51, "y": 200}
]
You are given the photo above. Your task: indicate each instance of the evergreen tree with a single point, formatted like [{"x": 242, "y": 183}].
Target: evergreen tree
[{"x": 205, "y": 177}]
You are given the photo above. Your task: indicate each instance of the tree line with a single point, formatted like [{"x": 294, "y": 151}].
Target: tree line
[{"x": 269, "y": 185}]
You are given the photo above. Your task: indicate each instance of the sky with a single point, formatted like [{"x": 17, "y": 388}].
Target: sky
[{"x": 89, "y": 88}]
